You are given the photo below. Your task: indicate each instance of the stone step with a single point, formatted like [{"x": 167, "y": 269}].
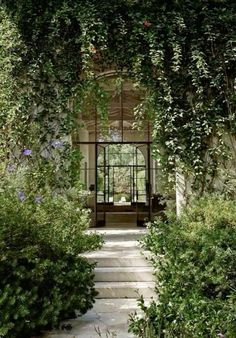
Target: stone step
[
  {"x": 113, "y": 234},
  {"x": 125, "y": 289},
  {"x": 116, "y": 261},
  {"x": 129, "y": 237},
  {"x": 124, "y": 274},
  {"x": 120, "y": 245},
  {"x": 58, "y": 335},
  {"x": 109, "y": 256}
]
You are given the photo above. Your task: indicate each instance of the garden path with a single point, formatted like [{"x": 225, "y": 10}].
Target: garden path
[{"x": 121, "y": 275}]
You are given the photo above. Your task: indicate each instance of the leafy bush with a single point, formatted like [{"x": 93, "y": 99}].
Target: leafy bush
[
  {"x": 195, "y": 259},
  {"x": 43, "y": 277}
]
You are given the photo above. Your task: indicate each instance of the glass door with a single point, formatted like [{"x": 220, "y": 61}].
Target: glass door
[
  {"x": 101, "y": 185},
  {"x": 123, "y": 181},
  {"x": 142, "y": 183}
]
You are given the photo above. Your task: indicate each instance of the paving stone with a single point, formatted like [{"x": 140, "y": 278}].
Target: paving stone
[{"x": 120, "y": 258}]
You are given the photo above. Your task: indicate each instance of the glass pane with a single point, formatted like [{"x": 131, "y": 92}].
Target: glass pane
[
  {"x": 121, "y": 174},
  {"x": 122, "y": 185},
  {"x": 141, "y": 185},
  {"x": 100, "y": 185},
  {"x": 101, "y": 156}
]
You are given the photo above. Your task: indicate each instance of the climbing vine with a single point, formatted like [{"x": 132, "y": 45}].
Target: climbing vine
[{"x": 182, "y": 52}]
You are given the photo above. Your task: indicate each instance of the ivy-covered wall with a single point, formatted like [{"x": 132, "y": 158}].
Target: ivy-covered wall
[{"x": 182, "y": 52}]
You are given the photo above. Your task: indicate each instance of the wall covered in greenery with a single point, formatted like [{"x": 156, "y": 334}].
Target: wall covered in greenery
[{"x": 182, "y": 53}]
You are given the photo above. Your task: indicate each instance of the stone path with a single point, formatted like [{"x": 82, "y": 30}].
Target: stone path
[{"x": 121, "y": 275}]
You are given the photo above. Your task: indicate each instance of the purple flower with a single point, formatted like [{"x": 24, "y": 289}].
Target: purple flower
[
  {"x": 57, "y": 143},
  {"x": 38, "y": 199},
  {"x": 27, "y": 152},
  {"x": 21, "y": 196},
  {"x": 10, "y": 168}
]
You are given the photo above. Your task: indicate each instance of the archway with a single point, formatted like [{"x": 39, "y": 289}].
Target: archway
[{"x": 117, "y": 166}]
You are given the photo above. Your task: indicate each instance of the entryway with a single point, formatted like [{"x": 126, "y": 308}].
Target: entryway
[
  {"x": 122, "y": 184},
  {"x": 117, "y": 167}
]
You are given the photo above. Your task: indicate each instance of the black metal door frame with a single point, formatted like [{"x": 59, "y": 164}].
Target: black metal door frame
[{"x": 149, "y": 189}]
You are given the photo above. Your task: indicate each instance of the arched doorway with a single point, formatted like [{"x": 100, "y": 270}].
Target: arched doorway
[{"x": 117, "y": 166}]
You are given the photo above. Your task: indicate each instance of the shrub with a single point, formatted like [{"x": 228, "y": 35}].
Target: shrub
[
  {"x": 43, "y": 277},
  {"x": 195, "y": 259}
]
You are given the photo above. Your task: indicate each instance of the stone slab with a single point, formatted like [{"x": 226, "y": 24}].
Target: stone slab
[
  {"x": 124, "y": 274},
  {"x": 106, "y": 316},
  {"x": 125, "y": 289}
]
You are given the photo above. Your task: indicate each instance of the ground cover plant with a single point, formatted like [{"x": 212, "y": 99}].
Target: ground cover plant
[{"x": 195, "y": 259}]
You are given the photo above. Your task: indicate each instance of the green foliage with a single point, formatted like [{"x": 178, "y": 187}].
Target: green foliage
[
  {"x": 194, "y": 257},
  {"x": 182, "y": 53},
  {"x": 43, "y": 277},
  {"x": 11, "y": 53}
]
